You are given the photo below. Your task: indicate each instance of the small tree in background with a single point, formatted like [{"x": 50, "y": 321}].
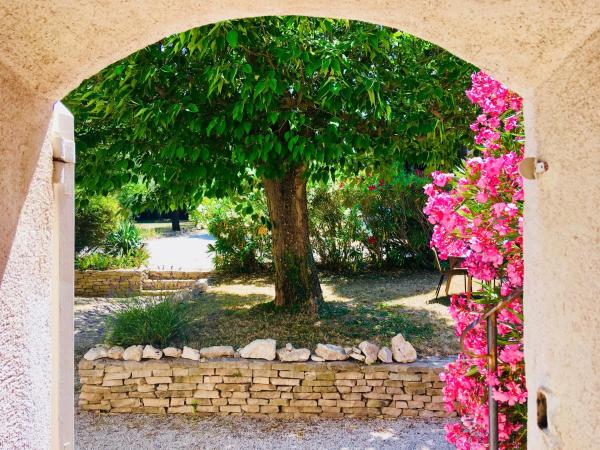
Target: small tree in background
[
  {"x": 95, "y": 219},
  {"x": 277, "y": 99}
]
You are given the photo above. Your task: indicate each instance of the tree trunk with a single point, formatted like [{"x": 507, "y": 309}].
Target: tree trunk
[
  {"x": 296, "y": 279},
  {"x": 175, "y": 221}
]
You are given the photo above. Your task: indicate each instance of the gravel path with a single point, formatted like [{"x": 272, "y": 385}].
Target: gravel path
[
  {"x": 188, "y": 251},
  {"x": 129, "y": 432}
]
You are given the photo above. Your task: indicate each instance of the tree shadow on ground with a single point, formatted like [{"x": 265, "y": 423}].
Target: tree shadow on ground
[{"x": 226, "y": 318}]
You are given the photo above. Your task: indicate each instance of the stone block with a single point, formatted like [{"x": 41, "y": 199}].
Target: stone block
[
  {"x": 377, "y": 403},
  {"x": 233, "y": 372},
  {"x": 291, "y": 374},
  {"x": 361, "y": 389},
  {"x": 262, "y": 387},
  {"x": 323, "y": 389},
  {"x": 350, "y": 403},
  {"x": 232, "y": 387},
  {"x": 265, "y": 373},
  {"x": 230, "y": 408},
  {"x": 182, "y": 386},
  {"x": 331, "y": 395},
  {"x": 260, "y": 380},
  {"x": 405, "y": 376},
  {"x": 251, "y": 408},
  {"x": 125, "y": 403},
  {"x": 156, "y": 402},
  {"x": 349, "y": 375},
  {"x": 94, "y": 389},
  {"x": 393, "y": 412},
  {"x": 361, "y": 412},
  {"x": 178, "y": 372},
  {"x": 149, "y": 410},
  {"x": 317, "y": 382},
  {"x": 266, "y": 394},
  {"x": 187, "y": 409},
  {"x": 92, "y": 397},
  {"x": 378, "y": 376},
  {"x": 269, "y": 409},
  {"x": 435, "y": 407},
  {"x": 303, "y": 403},
  {"x": 91, "y": 373},
  {"x": 285, "y": 381},
  {"x": 206, "y": 394},
  {"x": 227, "y": 379},
  {"x": 345, "y": 382},
  {"x": 306, "y": 395},
  {"x": 159, "y": 380},
  {"x": 95, "y": 407}
]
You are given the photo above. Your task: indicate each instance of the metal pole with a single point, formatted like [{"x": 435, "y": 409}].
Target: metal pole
[{"x": 492, "y": 330}]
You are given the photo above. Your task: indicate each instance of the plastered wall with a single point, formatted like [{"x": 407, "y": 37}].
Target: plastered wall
[{"x": 547, "y": 50}]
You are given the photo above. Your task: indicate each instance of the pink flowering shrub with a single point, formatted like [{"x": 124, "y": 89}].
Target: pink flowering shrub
[{"x": 477, "y": 212}]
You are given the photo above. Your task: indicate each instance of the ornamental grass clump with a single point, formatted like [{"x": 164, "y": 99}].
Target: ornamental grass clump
[
  {"x": 156, "y": 322},
  {"x": 477, "y": 212}
]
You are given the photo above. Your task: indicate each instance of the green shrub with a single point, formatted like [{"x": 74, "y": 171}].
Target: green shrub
[
  {"x": 105, "y": 261},
  {"x": 95, "y": 218},
  {"x": 336, "y": 228},
  {"x": 156, "y": 322},
  {"x": 397, "y": 231},
  {"x": 355, "y": 225},
  {"x": 123, "y": 241},
  {"x": 241, "y": 229}
]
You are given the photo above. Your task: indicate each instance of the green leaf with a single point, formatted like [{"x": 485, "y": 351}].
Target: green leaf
[
  {"x": 232, "y": 38},
  {"x": 191, "y": 107}
]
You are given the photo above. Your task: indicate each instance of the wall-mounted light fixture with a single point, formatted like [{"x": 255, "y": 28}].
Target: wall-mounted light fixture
[{"x": 531, "y": 168}]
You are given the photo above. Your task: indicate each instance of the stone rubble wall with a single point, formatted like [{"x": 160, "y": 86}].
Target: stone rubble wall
[
  {"x": 109, "y": 283},
  {"x": 258, "y": 387},
  {"x": 133, "y": 282}
]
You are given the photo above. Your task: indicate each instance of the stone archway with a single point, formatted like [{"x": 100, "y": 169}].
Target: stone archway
[{"x": 548, "y": 51}]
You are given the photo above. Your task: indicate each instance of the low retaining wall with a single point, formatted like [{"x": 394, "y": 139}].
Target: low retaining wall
[
  {"x": 241, "y": 386},
  {"x": 134, "y": 282},
  {"x": 109, "y": 283}
]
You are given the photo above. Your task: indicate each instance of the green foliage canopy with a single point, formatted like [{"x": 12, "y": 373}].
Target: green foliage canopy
[{"x": 200, "y": 112}]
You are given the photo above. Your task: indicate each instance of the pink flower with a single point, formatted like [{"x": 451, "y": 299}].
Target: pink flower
[{"x": 478, "y": 213}]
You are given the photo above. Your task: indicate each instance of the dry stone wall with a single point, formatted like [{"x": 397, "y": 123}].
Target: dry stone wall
[
  {"x": 133, "y": 282},
  {"x": 241, "y": 386},
  {"x": 109, "y": 283}
]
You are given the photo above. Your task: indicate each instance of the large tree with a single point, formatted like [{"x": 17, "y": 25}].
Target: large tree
[{"x": 277, "y": 99}]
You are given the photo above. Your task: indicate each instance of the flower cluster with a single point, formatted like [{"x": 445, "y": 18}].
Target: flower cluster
[{"x": 477, "y": 213}]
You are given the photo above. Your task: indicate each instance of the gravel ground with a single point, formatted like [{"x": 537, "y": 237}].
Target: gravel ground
[
  {"x": 125, "y": 432},
  {"x": 187, "y": 251}
]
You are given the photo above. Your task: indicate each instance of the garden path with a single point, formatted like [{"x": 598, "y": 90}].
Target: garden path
[
  {"x": 186, "y": 251},
  {"x": 120, "y": 432}
]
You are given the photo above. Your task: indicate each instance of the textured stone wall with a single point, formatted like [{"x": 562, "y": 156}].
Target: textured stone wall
[
  {"x": 107, "y": 283},
  {"x": 243, "y": 386}
]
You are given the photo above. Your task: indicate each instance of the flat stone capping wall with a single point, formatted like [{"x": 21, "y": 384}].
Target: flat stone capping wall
[
  {"x": 243, "y": 386},
  {"x": 109, "y": 283}
]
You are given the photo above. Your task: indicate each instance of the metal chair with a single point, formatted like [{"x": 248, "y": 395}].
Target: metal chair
[{"x": 449, "y": 273}]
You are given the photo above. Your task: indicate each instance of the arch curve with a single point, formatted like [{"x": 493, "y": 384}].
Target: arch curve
[{"x": 81, "y": 39}]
